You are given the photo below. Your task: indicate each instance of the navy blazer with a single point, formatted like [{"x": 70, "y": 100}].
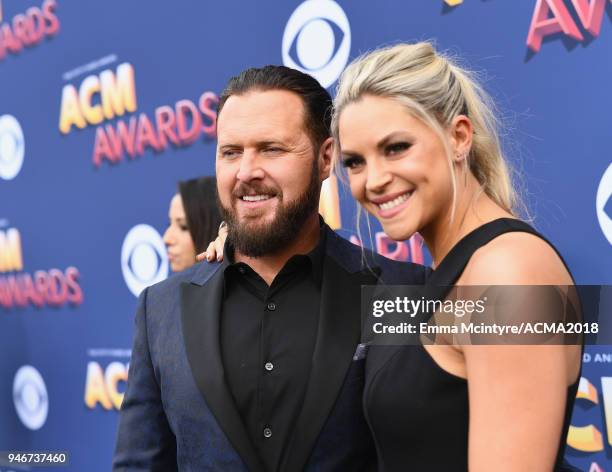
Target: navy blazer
[{"x": 178, "y": 412}]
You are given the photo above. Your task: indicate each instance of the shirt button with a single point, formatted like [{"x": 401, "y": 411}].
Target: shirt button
[
  {"x": 241, "y": 270},
  {"x": 267, "y": 432},
  {"x": 269, "y": 366},
  {"x": 271, "y": 306}
]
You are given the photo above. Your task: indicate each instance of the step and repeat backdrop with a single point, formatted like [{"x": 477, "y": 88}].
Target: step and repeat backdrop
[{"x": 104, "y": 106}]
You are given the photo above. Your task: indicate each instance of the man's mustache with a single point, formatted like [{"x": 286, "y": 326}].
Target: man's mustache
[{"x": 243, "y": 189}]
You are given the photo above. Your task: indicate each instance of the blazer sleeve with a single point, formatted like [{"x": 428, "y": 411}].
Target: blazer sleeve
[{"x": 145, "y": 441}]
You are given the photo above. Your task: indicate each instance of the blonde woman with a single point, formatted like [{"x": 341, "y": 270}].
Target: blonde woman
[{"x": 418, "y": 138}]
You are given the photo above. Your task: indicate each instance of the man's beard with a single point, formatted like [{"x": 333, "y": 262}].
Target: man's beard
[{"x": 269, "y": 237}]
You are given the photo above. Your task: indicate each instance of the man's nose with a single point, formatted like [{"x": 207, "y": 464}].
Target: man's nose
[{"x": 250, "y": 168}]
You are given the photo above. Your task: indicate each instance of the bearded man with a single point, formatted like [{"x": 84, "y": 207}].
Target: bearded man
[{"x": 255, "y": 363}]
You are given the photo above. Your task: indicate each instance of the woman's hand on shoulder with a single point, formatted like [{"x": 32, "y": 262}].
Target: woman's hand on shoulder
[{"x": 214, "y": 251}]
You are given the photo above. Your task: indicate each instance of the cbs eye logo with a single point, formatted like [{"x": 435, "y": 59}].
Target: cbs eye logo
[
  {"x": 143, "y": 258},
  {"x": 30, "y": 397},
  {"x": 317, "y": 40},
  {"x": 604, "y": 203},
  {"x": 12, "y": 147}
]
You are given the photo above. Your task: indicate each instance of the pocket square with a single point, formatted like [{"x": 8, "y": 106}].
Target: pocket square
[{"x": 361, "y": 352}]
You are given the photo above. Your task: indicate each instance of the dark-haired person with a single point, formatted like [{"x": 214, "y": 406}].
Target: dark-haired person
[
  {"x": 193, "y": 218},
  {"x": 254, "y": 363}
]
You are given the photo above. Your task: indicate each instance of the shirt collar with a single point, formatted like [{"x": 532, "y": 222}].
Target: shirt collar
[{"x": 316, "y": 256}]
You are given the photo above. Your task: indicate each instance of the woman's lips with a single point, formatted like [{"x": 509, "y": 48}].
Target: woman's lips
[{"x": 389, "y": 206}]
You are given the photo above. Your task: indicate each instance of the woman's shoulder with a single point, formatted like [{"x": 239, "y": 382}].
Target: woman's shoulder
[{"x": 515, "y": 258}]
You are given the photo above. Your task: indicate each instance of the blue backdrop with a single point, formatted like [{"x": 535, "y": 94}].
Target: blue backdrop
[{"x": 104, "y": 106}]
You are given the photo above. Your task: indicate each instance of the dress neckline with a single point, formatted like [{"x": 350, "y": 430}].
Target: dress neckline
[{"x": 454, "y": 262}]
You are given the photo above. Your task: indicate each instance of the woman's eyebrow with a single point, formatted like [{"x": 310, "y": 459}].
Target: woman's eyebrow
[{"x": 390, "y": 137}]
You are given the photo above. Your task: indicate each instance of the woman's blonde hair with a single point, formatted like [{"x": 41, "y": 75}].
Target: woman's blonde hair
[{"x": 435, "y": 90}]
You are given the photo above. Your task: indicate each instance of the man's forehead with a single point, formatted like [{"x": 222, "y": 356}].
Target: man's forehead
[
  {"x": 264, "y": 97},
  {"x": 269, "y": 115}
]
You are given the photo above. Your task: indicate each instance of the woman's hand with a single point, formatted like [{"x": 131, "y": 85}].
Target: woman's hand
[{"x": 214, "y": 251}]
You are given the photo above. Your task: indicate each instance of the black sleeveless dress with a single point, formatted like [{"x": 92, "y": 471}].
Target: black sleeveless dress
[{"x": 418, "y": 412}]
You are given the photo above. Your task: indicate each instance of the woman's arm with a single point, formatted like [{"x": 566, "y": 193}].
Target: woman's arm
[
  {"x": 517, "y": 398},
  {"x": 517, "y": 394}
]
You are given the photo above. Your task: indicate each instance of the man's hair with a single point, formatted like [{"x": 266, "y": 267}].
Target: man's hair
[{"x": 317, "y": 101}]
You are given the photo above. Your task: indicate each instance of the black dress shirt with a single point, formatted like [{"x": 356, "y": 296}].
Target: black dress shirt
[{"x": 268, "y": 335}]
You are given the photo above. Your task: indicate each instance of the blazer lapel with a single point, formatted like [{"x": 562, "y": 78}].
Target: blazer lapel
[
  {"x": 338, "y": 335},
  {"x": 200, "y": 313}
]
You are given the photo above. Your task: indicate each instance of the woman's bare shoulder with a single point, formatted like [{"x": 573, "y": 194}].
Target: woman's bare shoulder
[{"x": 515, "y": 258}]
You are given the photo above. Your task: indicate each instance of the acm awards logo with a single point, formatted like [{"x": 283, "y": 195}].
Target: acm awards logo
[
  {"x": 590, "y": 438},
  {"x": 551, "y": 17},
  {"x": 554, "y": 16},
  {"x": 144, "y": 261},
  {"x": 28, "y": 29},
  {"x": 12, "y": 147},
  {"x": 111, "y": 94},
  {"x": 105, "y": 382},
  {"x": 104, "y": 385},
  {"x": 53, "y": 288},
  {"x": 317, "y": 40},
  {"x": 30, "y": 397}
]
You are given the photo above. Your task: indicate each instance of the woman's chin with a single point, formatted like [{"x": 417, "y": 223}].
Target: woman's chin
[
  {"x": 399, "y": 227},
  {"x": 399, "y": 231}
]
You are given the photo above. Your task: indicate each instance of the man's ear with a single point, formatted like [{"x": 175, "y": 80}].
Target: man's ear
[
  {"x": 461, "y": 132},
  {"x": 326, "y": 152}
]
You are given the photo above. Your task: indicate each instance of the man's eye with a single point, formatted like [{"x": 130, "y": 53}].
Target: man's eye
[
  {"x": 229, "y": 153},
  {"x": 397, "y": 148},
  {"x": 273, "y": 150}
]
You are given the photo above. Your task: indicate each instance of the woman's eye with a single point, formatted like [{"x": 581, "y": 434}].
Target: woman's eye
[
  {"x": 397, "y": 148},
  {"x": 352, "y": 162},
  {"x": 184, "y": 227}
]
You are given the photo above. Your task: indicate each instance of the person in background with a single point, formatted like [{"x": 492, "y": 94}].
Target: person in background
[{"x": 193, "y": 221}]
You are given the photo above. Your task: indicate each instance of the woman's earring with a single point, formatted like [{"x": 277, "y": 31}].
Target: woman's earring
[{"x": 462, "y": 156}]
